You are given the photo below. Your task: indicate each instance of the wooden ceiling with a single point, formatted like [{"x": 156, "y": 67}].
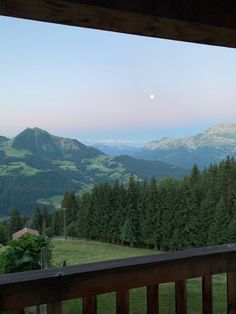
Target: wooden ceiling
[{"x": 210, "y": 22}]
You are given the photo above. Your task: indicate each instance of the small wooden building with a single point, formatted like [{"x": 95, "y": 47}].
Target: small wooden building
[{"x": 23, "y": 231}]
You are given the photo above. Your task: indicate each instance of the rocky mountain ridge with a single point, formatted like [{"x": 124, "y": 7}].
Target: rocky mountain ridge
[{"x": 211, "y": 146}]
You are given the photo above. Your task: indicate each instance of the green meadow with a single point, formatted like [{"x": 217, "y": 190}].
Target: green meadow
[{"x": 81, "y": 251}]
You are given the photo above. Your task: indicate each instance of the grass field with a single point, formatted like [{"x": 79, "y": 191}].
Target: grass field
[{"x": 80, "y": 251}]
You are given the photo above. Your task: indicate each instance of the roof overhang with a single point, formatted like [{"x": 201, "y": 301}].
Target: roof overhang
[{"x": 210, "y": 22}]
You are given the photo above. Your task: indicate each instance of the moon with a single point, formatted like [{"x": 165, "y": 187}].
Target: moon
[{"x": 151, "y": 96}]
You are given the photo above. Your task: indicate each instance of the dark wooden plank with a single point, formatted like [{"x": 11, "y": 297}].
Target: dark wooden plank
[
  {"x": 180, "y": 297},
  {"x": 207, "y": 295},
  {"x": 231, "y": 292},
  {"x": 16, "y": 311},
  {"x": 54, "y": 285},
  {"x": 153, "y": 299},
  {"x": 55, "y": 308},
  {"x": 90, "y": 305},
  {"x": 122, "y": 302},
  {"x": 202, "y": 21}
]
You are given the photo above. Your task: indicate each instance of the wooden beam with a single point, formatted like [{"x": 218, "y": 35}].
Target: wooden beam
[
  {"x": 201, "y": 21},
  {"x": 24, "y": 289}
]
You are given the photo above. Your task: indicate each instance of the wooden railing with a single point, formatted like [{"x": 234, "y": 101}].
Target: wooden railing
[{"x": 86, "y": 281}]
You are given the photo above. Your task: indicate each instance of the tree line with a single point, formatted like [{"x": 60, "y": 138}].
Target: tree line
[{"x": 198, "y": 210}]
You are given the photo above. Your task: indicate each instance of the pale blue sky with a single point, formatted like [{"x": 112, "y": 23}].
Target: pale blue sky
[{"x": 91, "y": 84}]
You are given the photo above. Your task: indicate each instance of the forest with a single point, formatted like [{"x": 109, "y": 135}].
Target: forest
[{"x": 198, "y": 210}]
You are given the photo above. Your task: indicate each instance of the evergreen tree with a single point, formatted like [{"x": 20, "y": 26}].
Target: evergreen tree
[
  {"x": 133, "y": 211},
  {"x": 70, "y": 205},
  {"x": 153, "y": 216},
  {"x": 116, "y": 212},
  {"x": 219, "y": 231},
  {"x": 232, "y": 231},
  {"x": 16, "y": 222},
  {"x": 144, "y": 209},
  {"x": 37, "y": 222},
  {"x": 4, "y": 237},
  {"x": 195, "y": 174}
]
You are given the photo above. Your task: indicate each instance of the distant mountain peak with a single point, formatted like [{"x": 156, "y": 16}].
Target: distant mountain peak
[
  {"x": 34, "y": 130},
  {"x": 37, "y": 141},
  {"x": 3, "y": 139},
  {"x": 210, "y": 146},
  {"x": 42, "y": 144},
  {"x": 223, "y": 128}
]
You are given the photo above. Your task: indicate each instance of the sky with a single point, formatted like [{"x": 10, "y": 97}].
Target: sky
[{"x": 103, "y": 86}]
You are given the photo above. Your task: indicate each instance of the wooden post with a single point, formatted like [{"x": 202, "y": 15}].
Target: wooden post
[
  {"x": 180, "y": 297},
  {"x": 122, "y": 302},
  {"x": 231, "y": 293},
  {"x": 153, "y": 299},
  {"x": 90, "y": 305},
  {"x": 207, "y": 295},
  {"x": 55, "y": 308}
]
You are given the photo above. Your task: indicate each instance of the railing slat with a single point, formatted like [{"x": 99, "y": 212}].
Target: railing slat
[
  {"x": 55, "y": 308},
  {"x": 122, "y": 302},
  {"x": 207, "y": 295},
  {"x": 90, "y": 305},
  {"x": 231, "y": 293},
  {"x": 153, "y": 299},
  {"x": 180, "y": 297}
]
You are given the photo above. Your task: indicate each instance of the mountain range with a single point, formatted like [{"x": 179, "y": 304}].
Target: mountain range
[
  {"x": 116, "y": 148},
  {"x": 211, "y": 146},
  {"x": 37, "y": 168}
]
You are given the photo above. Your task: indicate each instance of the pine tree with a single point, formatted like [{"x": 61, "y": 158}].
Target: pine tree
[
  {"x": 195, "y": 174},
  {"x": 219, "y": 231},
  {"x": 144, "y": 209},
  {"x": 232, "y": 231},
  {"x": 132, "y": 210},
  {"x": 116, "y": 212},
  {"x": 169, "y": 198},
  {"x": 4, "y": 237},
  {"x": 38, "y": 220},
  {"x": 70, "y": 205},
  {"x": 152, "y": 221},
  {"x": 15, "y": 221}
]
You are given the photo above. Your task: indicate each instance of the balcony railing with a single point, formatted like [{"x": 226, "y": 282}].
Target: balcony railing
[{"x": 86, "y": 281}]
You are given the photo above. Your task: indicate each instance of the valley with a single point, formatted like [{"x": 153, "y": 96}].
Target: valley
[{"x": 36, "y": 168}]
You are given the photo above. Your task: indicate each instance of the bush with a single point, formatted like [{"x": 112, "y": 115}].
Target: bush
[{"x": 24, "y": 254}]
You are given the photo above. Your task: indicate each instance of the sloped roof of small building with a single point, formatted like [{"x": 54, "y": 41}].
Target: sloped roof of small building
[{"x": 23, "y": 231}]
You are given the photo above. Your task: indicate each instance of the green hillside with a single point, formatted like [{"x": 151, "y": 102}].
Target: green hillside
[{"x": 37, "y": 167}]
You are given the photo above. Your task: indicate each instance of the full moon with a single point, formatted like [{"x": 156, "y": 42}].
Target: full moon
[{"x": 152, "y": 96}]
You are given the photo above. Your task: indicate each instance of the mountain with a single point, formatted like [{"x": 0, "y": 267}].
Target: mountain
[
  {"x": 116, "y": 149},
  {"x": 205, "y": 148},
  {"x": 37, "y": 168},
  {"x": 44, "y": 145},
  {"x": 3, "y": 139},
  {"x": 146, "y": 169}
]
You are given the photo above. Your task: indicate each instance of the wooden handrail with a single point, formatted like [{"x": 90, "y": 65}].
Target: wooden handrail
[{"x": 51, "y": 286}]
